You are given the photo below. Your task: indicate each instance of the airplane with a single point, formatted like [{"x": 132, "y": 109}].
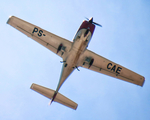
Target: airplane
[{"x": 74, "y": 54}]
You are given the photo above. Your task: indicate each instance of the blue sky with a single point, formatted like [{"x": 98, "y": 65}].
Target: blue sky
[{"x": 124, "y": 39}]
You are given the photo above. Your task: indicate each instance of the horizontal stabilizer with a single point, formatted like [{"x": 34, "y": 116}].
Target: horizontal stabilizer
[{"x": 59, "y": 97}]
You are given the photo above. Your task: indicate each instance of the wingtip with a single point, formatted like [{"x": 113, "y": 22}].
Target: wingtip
[
  {"x": 9, "y": 19},
  {"x": 76, "y": 107},
  {"x": 143, "y": 81},
  {"x": 31, "y": 87}
]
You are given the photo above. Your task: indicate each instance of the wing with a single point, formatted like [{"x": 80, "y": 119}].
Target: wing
[
  {"x": 97, "y": 63},
  {"x": 53, "y": 42}
]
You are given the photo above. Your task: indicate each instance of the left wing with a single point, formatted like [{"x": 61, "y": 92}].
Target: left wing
[
  {"x": 51, "y": 41},
  {"x": 97, "y": 63}
]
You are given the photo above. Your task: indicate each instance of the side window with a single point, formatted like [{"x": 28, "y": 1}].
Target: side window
[
  {"x": 88, "y": 38},
  {"x": 77, "y": 36}
]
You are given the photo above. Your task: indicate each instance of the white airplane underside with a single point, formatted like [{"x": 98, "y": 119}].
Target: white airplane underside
[{"x": 74, "y": 54}]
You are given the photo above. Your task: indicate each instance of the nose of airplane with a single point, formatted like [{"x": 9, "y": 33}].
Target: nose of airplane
[{"x": 91, "y": 20}]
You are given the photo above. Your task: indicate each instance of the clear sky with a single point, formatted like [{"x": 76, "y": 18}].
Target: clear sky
[{"x": 124, "y": 39}]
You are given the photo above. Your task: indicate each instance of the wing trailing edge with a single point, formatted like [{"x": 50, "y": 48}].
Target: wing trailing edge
[{"x": 59, "y": 97}]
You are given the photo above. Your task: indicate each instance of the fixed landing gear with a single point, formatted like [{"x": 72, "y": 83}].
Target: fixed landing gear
[
  {"x": 76, "y": 68},
  {"x": 62, "y": 61}
]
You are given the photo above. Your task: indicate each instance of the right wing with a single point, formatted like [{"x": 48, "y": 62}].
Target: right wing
[
  {"x": 92, "y": 61},
  {"x": 53, "y": 42}
]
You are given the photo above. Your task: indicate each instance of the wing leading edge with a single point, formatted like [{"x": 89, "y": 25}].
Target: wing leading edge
[
  {"x": 92, "y": 61},
  {"x": 51, "y": 41}
]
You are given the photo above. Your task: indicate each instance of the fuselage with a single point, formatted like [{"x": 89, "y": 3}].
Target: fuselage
[{"x": 79, "y": 45}]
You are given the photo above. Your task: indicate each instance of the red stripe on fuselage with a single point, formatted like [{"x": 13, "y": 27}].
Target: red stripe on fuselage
[{"x": 87, "y": 25}]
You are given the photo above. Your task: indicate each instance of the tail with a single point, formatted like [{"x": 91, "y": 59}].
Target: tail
[
  {"x": 54, "y": 96},
  {"x": 52, "y": 99}
]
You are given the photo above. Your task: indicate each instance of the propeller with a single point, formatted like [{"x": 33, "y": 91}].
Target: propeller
[{"x": 91, "y": 21}]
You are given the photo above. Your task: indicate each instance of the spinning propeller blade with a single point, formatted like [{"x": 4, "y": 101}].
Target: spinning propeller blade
[
  {"x": 97, "y": 24},
  {"x": 91, "y": 21}
]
